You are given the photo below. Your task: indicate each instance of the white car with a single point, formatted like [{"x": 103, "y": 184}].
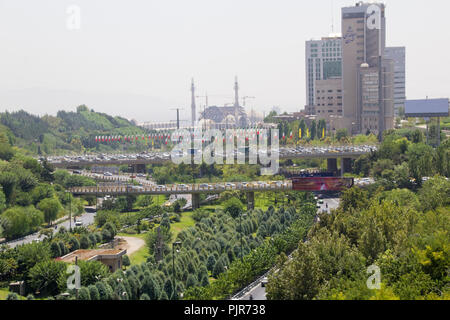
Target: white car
[{"x": 264, "y": 282}]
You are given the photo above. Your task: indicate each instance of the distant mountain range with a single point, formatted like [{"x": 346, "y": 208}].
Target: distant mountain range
[{"x": 68, "y": 132}]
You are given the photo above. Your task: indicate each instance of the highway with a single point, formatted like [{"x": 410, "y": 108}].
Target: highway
[
  {"x": 258, "y": 292},
  {"x": 114, "y": 178},
  {"x": 212, "y": 188},
  {"x": 298, "y": 152}
]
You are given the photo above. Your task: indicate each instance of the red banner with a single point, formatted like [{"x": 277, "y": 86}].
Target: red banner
[{"x": 322, "y": 184}]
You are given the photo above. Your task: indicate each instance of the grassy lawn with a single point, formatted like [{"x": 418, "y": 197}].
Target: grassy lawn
[
  {"x": 3, "y": 293},
  {"x": 142, "y": 254},
  {"x": 139, "y": 256},
  {"x": 186, "y": 221}
]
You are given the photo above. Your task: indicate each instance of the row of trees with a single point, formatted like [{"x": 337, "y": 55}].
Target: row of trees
[
  {"x": 209, "y": 249},
  {"x": 35, "y": 262},
  {"x": 403, "y": 159},
  {"x": 301, "y": 131},
  {"x": 405, "y": 234}
]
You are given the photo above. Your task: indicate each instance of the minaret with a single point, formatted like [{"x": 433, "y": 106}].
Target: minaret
[
  {"x": 193, "y": 103},
  {"x": 236, "y": 100}
]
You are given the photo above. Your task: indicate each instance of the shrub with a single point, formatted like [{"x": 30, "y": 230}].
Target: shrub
[
  {"x": 191, "y": 281},
  {"x": 55, "y": 249},
  {"x": 126, "y": 260},
  {"x": 218, "y": 269},
  {"x": 106, "y": 235},
  {"x": 12, "y": 296},
  {"x": 92, "y": 239},
  {"x": 83, "y": 294},
  {"x": 145, "y": 296},
  {"x": 84, "y": 242},
  {"x": 74, "y": 244},
  {"x": 98, "y": 237},
  {"x": 63, "y": 248},
  {"x": 111, "y": 228},
  {"x": 93, "y": 292},
  {"x": 102, "y": 291}
]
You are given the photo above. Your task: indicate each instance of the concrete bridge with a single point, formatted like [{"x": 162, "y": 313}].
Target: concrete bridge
[
  {"x": 138, "y": 161},
  {"x": 194, "y": 189}
]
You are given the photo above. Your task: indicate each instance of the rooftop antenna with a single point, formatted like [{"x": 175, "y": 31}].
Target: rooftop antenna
[{"x": 332, "y": 16}]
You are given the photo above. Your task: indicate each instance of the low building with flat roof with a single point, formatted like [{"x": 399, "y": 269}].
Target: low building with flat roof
[{"x": 110, "y": 257}]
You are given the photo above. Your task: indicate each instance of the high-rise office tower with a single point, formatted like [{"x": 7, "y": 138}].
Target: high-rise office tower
[
  {"x": 398, "y": 55},
  {"x": 323, "y": 60},
  {"x": 366, "y": 73}
]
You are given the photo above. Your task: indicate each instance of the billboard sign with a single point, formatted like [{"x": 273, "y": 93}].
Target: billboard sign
[{"x": 318, "y": 184}]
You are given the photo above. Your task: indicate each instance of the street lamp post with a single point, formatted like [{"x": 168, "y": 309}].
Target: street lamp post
[
  {"x": 178, "y": 243},
  {"x": 70, "y": 212}
]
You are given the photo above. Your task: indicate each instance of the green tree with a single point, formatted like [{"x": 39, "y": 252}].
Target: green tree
[
  {"x": 83, "y": 294},
  {"x": 442, "y": 159},
  {"x": 313, "y": 130},
  {"x": 233, "y": 207},
  {"x": 341, "y": 134},
  {"x": 144, "y": 296},
  {"x": 152, "y": 237},
  {"x": 218, "y": 269},
  {"x": 151, "y": 288},
  {"x": 2, "y": 200},
  {"x": 84, "y": 242},
  {"x": 55, "y": 249},
  {"x": 298, "y": 280},
  {"x": 435, "y": 193},
  {"x": 191, "y": 281},
  {"x": 93, "y": 292},
  {"x": 144, "y": 201},
  {"x": 32, "y": 253},
  {"x": 92, "y": 271},
  {"x": 126, "y": 260},
  {"x": 420, "y": 157},
  {"x": 45, "y": 276},
  {"x": 6, "y": 152},
  {"x": 168, "y": 288},
  {"x": 354, "y": 198},
  {"x": 50, "y": 207},
  {"x": 8, "y": 181}
]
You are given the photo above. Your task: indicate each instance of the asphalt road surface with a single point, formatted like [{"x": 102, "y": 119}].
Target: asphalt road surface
[{"x": 87, "y": 218}]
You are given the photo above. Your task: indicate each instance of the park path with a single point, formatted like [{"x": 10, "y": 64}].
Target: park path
[{"x": 132, "y": 244}]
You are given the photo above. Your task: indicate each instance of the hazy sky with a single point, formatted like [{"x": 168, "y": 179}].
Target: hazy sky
[{"x": 136, "y": 58}]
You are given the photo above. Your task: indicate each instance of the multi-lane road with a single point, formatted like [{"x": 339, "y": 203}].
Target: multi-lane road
[
  {"x": 210, "y": 188},
  {"x": 256, "y": 291},
  {"x": 298, "y": 152}
]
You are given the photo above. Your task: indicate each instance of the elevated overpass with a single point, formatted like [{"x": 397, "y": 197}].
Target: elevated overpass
[
  {"x": 139, "y": 161},
  {"x": 301, "y": 184}
]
